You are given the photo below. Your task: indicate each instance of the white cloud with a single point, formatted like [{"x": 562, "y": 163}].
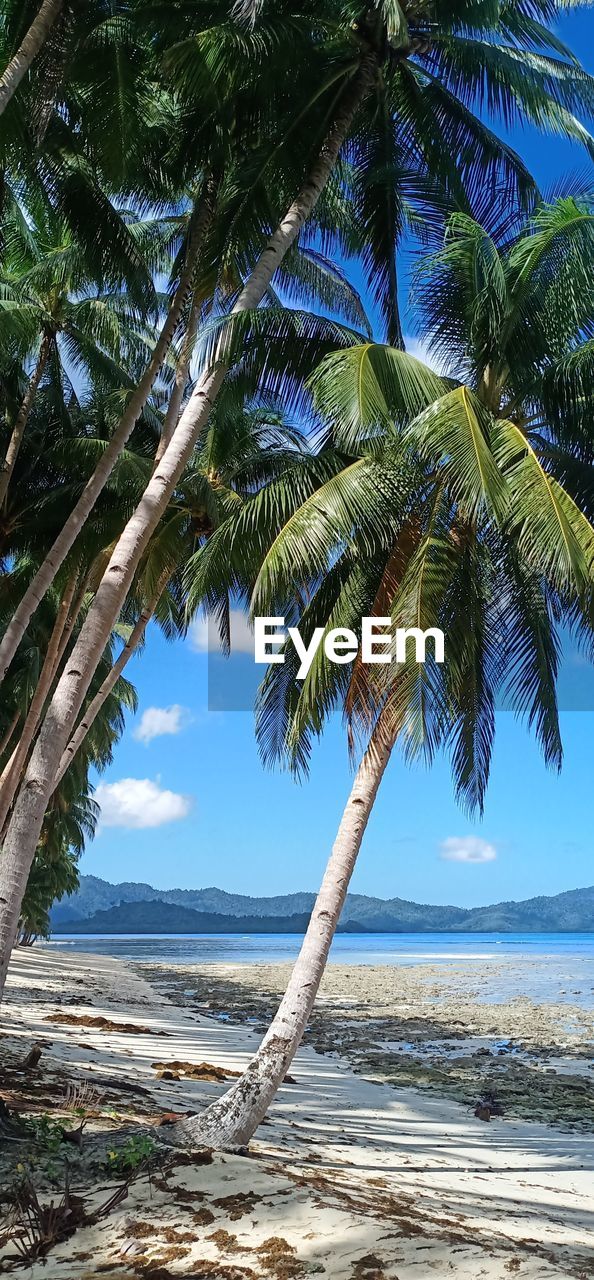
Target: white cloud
[
  {"x": 203, "y": 634},
  {"x": 467, "y": 849},
  {"x": 156, "y": 721},
  {"x": 139, "y": 803}
]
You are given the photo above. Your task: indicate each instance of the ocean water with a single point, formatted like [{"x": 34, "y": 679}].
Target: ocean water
[
  {"x": 557, "y": 967},
  {"x": 347, "y": 948}
]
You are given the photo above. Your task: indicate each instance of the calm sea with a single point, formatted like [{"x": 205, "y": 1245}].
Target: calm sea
[{"x": 544, "y": 966}]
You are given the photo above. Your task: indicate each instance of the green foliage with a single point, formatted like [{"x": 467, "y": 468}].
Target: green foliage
[
  {"x": 132, "y": 1155},
  {"x": 460, "y": 505},
  {"x": 428, "y": 496},
  {"x": 47, "y": 1134}
]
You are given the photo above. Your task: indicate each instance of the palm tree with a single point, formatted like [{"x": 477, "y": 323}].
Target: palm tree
[
  {"x": 469, "y": 516},
  {"x": 309, "y": 275},
  {"x": 45, "y": 653},
  {"x": 400, "y": 172},
  {"x": 381, "y": 51},
  {"x": 54, "y": 313},
  {"x": 32, "y": 42},
  {"x": 136, "y": 402},
  {"x": 70, "y": 820},
  {"x": 243, "y": 450}
]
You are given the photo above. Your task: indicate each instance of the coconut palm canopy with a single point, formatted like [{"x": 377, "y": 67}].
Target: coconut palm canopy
[
  {"x": 182, "y": 187},
  {"x": 459, "y": 503}
]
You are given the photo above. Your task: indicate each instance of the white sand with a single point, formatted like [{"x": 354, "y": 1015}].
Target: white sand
[{"x": 361, "y": 1180}]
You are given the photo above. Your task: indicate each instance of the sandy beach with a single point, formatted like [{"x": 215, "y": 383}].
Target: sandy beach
[{"x": 349, "y": 1177}]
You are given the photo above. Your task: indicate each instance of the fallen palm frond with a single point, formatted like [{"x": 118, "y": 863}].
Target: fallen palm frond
[{"x": 34, "y": 1227}]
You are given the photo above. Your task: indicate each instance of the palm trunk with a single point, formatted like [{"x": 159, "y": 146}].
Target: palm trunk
[
  {"x": 28, "y": 50},
  {"x": 5, "y": 743},
  {"x": 47, "y": 571},
  {"x": 22, "y": 418},
  {"x": 182, "y": 374},
  {"x": 94, "y": 707},
  {"x": 233, "y": 1119},
  {"x": 71, "y": 619},
  {"x": 27, "y": 818},
  {"x": 12, "y": 772}
]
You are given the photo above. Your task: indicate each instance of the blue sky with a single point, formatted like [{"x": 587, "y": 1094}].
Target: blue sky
[{"x": 193, "y": 806}]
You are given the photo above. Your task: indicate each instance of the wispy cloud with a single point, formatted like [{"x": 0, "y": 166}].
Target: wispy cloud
[
  {"x": 467, "y": 849},
  {"x": 138, "y": 803},
  {"x": 156, "y": 721},
  {"x": 203, "y": 636}
]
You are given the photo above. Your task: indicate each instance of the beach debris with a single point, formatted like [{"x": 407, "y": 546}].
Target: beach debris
[
  {"x": 171, "y": 1117},
  {"x": 81, "y": 1096},
  {"x": 186, "y": 1159},
  {"x": 9, "y": 1125},
  {"x": 369, "y": 1267},
  {"x": 103, "y": 1024},
  {"x": 32, "y": 1059},
  {"x": 34, "y": 1227},
  {"x": 224, "y": 1240},
  {"x": 74, "y": 1136},
  {"x": 206, "y": 1071},
  {"x": 277, "y": 1258},
  {"x": 488, "y": 1106},
  {"x": 238, "y": 1205}
]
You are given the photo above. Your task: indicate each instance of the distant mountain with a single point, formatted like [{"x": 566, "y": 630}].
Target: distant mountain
[
  {"x": 570, "y": 912},
  {"x": 91, "y": 910},
  {"x": 165, "y": 917}
]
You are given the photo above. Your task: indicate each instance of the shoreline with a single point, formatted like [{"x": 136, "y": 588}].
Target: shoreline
[{"x": 352, "y": 1179}]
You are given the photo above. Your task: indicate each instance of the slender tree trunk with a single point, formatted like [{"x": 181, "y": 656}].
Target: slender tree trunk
[
  {"x": 233, "y": 1119},
  {"x": 22, "y": 418},
  {"x": 9, "y": 732},
  {"x": 75, "y": 609},
  {"x": 94, "y": 707},
  {"x": 28, "y": 50},
  {"x": 181, "y": 381},
  {"x": 12, "y": 772},
  {"x": 47, "y": 571},
  {"x": 27, "y": 818}
]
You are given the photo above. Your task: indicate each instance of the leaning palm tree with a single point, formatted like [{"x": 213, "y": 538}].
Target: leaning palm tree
[
  {"x": 71, "y": 819},
  {"x": 33, "y": 40},
  {"x": 379, "y": 52},
  {"x": 245, "y": 448},
  {"x": 400, "y": 172},
  {"x": 467, "y": 516},
  {"x": 57, "y": 318}
]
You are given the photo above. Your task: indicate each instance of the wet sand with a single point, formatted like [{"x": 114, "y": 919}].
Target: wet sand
[{"x": 449, "y": 1030}]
